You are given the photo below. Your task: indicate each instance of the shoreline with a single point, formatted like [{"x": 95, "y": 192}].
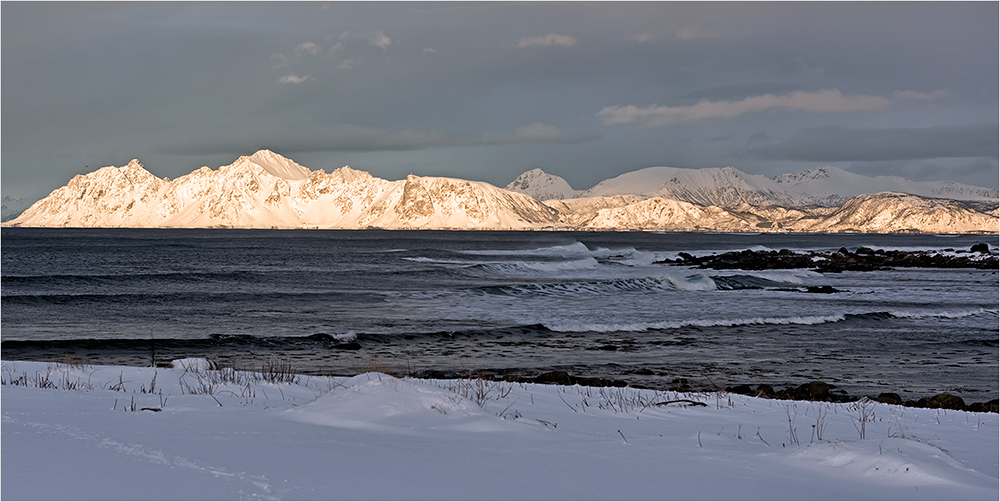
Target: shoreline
[{"x": 812, "y": 391}]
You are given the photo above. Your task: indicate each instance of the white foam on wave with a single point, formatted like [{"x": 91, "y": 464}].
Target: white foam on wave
[
  {"x": 790, "y": 276},
  {"x": 705, "y": 323},
  {"x": 350, "y": 336},
  {"x": 514, "y": 267},
  {"x": 696, "y": 282},
  {"x": 942, "y": 315},
  {"x": 693, "y": 282},
  {"x": 575, "y": 249},
  {"x": 541, "y": 266},
  {"x": 436, "y": 261}
]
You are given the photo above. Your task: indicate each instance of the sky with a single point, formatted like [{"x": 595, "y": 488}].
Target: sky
[{"x": 486, "y": 91}]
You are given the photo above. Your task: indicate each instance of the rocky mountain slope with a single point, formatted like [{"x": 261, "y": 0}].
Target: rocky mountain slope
[
  {"x": 723, "y": 187},
  {"x": 543, "y": 186},
  {"x": 831, "y": 186},
  {"x": 266, "y": 190},
  {"x": 10, "y": 207},
  {"x": 900, "y": 212}
]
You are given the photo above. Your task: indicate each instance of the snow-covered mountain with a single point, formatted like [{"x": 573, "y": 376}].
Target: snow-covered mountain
[
  {"x": 266, "y": 190},
  {"x": 543, "y": 186},
  {"x": 831, "y": 186},
  {"x": 723, "y": 187},
  {"x": 900, "y": 212},
  {"x": 11, "y": 207},
  {"x": 668, "y": 214}
]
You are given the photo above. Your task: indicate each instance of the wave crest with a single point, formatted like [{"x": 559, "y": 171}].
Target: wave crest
[{"x": 608, "y": 328}]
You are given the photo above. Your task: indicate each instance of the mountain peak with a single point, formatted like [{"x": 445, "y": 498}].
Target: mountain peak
[
  {"x": 543, "y": 186},
  {"x": 279, "y": 166}
]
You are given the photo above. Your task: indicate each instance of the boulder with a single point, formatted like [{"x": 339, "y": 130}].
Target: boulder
[
  {"x": 740, "y": 389},
  {"x": 987, "y": 407},
  {"x": 554, "y": 377},
  {"x": 943, "y": 401},
  {"x": 889, "y": 398}
]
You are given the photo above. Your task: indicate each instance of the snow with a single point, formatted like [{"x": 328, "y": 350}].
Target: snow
[
  {"x": 724, "y": 187},
  {"x": 373, "y": 436},
  {"x": 543, "y": 186},
  {"x": 279, "y": 166},
  {"x": 833, "y": 186},
  {"x": 266, "y": 190}
]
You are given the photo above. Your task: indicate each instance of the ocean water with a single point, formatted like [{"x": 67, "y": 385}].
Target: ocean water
[{"x": 592, "y": 304}]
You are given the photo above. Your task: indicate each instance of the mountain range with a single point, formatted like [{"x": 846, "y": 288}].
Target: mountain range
[{"x": 267, "y": 190}]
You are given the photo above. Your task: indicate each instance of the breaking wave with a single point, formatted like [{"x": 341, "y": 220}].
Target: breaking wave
[
  {"x": 696, "y": 282},
  {"x": 902, "y": 314},
  {"x": 704, "y": 323},
  {"x": 577, "y": 248}
]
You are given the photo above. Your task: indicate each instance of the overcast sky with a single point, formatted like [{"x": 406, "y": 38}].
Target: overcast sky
[{"x": 486, "y": 91}]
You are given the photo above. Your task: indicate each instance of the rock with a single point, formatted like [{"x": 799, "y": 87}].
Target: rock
[
  {"x": 812, "y": 391},
  {"x": 889, "y": 398},
  {"x": 764, "y": 390},
  {"x": 554, "y": 377},
  {"x": 822, "y": 289},
  {"x": 980, "y": 248},
  {"x": 987, "y": 407},
  {"x": 740, "y": 389},
  {"x": 944, "y": 401}
]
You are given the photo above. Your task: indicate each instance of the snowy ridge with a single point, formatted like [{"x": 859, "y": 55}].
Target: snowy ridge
[
  {"x": 831, "y": 186},
  {"x": 266, "y": 190},
  {"x": 543, "y": 186},
  {"x": 899, "y": 212},
  {"x": 11, "y": 207},
  {"x": 723, "y": 187}
]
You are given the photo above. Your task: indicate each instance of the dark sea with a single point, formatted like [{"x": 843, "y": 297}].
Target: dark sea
[{"x": 593, "y": 304}]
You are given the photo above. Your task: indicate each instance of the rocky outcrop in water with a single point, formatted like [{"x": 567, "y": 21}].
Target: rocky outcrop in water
[{"x": 862, "y": 259}]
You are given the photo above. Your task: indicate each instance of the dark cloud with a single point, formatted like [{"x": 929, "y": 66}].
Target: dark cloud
[
  {"x": 838, "y": 143},
  {"x": 486, "y": 90},
  {"x": 367, "y": 139},
  {"x": 970, "y": 171}
]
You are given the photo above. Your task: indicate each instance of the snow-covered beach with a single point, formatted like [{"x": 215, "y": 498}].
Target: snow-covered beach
[{"x": 113, "y": 432}]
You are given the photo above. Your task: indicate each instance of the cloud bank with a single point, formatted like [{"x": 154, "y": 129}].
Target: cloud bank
[
  {"x": 839, "y": 144},
  {"x": 350, "y": 138},
  {"x": 825, "y": 101},
  {"x": 550, "y": 40}
]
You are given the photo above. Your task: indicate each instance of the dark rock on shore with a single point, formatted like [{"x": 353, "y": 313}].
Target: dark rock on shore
[
  {"x": 563, "y": 378},
  {"x": 889, "y": 398},
  {"x": 821, "y": 391},
  {"x": 987, "y": 407},
  {"x": 863, "y": 260},
  {"x": 814, "y": 391},
  {"x": 943, "y": 400}
]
